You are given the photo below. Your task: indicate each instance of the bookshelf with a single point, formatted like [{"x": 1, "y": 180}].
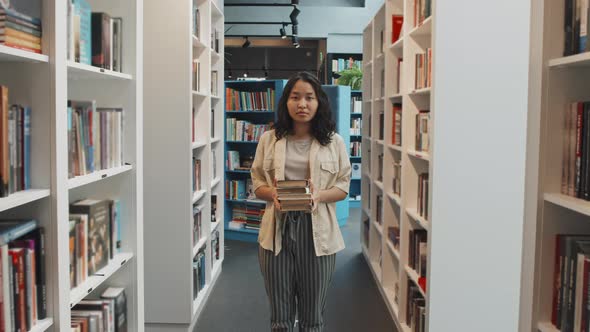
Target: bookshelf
[
  {"x": 394, "y": 213},
  {"x": 247, "y": 110},
  {"x": 46, "y": 82},
  {"x": 182, "y": 103},
  {"x": 561, "y": 79},
  {"x": 356, "y": 115}
]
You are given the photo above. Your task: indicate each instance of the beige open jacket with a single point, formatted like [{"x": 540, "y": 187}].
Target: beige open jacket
[{"x": 329, "y": 167}]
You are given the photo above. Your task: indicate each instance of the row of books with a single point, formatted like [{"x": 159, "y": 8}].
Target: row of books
[
  {"x": 15, "y": 146},
  {"x": 393, "y": 235},
  {"x": 416, "y": 309},
  {"x": 575, "y": 175},
  {"x": 380, "y": 167},
  {"x": 397, "y": 23},
  {"x": 356, "y": 171},
  {"x": 215, "y": 243},
  {"x": 423, "y": 74},
  {"x": 241, "y": 130},
  {"x": 108, "y": 313},
  {"x": 422, "y": 11},
  {"x": 381, "y": 124},
  {"x": 422, "y": 143},
  {"x": 355, "y": 149},
  {"x": 339, "y": 65},
  {"x": 397, "y": 177},
  {"x": 263, "y": 101},
  {"x": 379, "y": 209},
  {"x": 214, "y": 83},
  {"x": 247, "y": 216},
  {"x": 196, "y": 21},
  {"x": 197, "y": 224},
  {"x": 197, "y": 184},
  {"x": 199, "y": 267},
  {"x": 356, "y": 126},
  {"x": 422, "y": 201},
  {"x": 571, "y": 279},
  {"x": 95, "y": 138},
  {"x": 236, "y": 189},
  {"x": 399, "y": 75},
  {"x": 196, "y": 75},
  {"x": 20, "y": 31},
  {"x": 356, "y": 104},
  {"x": 418, "y": 253},
  {"x": 396, "y": 136},
  {"x": 576, "y": 27},
  {"x": 23, "y": 296},
  {"x": 94, "y": 38},
  {"x": 94, "y": 235}
]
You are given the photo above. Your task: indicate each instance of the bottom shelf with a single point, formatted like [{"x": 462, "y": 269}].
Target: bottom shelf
[{"x": 200, "y": 299}]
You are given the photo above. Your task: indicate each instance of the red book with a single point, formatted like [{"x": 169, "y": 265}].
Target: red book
[{"x": 397, "y": 22}]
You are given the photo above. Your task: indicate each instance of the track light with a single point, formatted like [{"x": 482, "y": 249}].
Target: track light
[
  {"x": 294, "y": 15},
  {"x": 295, "y": 30},
  {"x": 283, "y": 33},
  {"x": 246, "y": 42},
  {"x": 295, "y": 41}
]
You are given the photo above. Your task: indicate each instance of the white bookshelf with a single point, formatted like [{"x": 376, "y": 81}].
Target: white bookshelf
[
  {"x": 45, "y": 82},
  {"x": 169, "y": 102},
  {"x": 390, "y": 265}
]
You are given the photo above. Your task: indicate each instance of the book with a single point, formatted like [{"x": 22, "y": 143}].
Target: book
[
  {"x": 11, "y": 230},
  {"x": 99, "y": 224},
  {"x": 397, "y": 22},
  {"x": 294, "y": 195},
  {"x": 117, "y": 294}
]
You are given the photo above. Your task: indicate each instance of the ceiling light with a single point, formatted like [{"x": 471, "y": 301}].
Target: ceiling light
[
  {"x": 283, "y": 33},
  {"x": 246, "y": 43},
  {"x": 294, "y": 15}
]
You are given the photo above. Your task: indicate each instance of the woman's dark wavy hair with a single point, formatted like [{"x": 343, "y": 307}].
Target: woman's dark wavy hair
[{"x": 322, "y": 124}]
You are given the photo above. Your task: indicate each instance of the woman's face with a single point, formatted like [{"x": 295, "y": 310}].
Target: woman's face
[{"x": 303, "y": 102}]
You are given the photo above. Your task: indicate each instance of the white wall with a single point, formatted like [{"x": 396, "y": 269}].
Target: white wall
[{"x": 480, "y": 123}]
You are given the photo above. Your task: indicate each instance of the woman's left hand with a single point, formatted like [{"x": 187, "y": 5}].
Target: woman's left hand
[{"x": 315, "y": 196}]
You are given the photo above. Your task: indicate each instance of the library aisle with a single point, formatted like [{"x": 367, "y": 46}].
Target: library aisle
[{"x": 354, "y": 302}]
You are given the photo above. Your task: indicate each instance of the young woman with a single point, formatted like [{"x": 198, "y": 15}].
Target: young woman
[{"x": 297, "y": 250}]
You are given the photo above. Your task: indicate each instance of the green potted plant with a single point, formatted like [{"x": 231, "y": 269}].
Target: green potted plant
[{"x": 352, "y": 77}]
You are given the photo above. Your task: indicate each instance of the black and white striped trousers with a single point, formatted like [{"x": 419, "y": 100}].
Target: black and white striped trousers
[{"x": 296, "y": 280}]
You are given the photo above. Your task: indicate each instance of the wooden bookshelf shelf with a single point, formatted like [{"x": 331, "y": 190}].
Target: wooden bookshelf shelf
[
  {"x": 249, "y": 112},
  {"x": 379, "y": 142},
  {"x": 199, "y": 245},
  {"x": 42, "y": 325},
  {"x": 378, "y": 227},
  {"x": 390, "y": 294},
  {"x": 83, "y": 180},
  {"x": 547, "y": 327},
  {"x": 78, "y": 293},
  {"x": 379, "y": 185},
  {"x": 244, "y": 230},
  {"x": 238, "y": 171},
  {"x": 215, "y": 56},
  {"x": 199, "y": 301},
  {"x": 215, "y": 182},
  {"x": 395, "y": 198},
  {"x": 368, "y": 63},
  {"x": 366, "y": 211},
  {"x": 200, "y": 94},
  {"x": 397, "y": 97},
  {"x": 421, "y": 92},
  {"x": 78, "y": 71},
  {"x": 394, "y": 251},
  {"x": 198, "y": 195},
  {"x": 11, "y": 54},
  {"x": 380, "y": 56},
  {"x": 22, "y": 197},
  {"x": 577, "y": 60},
  {"x": 571, "y": 203},
  {"x": 243, "y": 142},
  {"x": 413, "y": 275},
  {"x": 199, "y": 145},
  {"x": 398, "y": 45},
  {"x": 395, "y": 147},
  {"x": 425, "y": 29},
  {"x": 418, "y": 218},
  {"x": 246, "y": 201},
  {"x": 214, "y": 226},
  {"x": 215, "y": 140},
  {"x": 419, "y": 155},
  {"x": 198, "y": 43}
]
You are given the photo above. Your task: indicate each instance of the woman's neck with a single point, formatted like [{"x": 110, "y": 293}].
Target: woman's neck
[{"x": 301, "y": 130}]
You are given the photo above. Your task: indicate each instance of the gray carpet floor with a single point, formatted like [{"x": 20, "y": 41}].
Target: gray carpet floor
[{"x": 238, "y": 301}]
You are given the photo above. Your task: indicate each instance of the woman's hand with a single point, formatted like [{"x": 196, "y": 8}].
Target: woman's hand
[
  {"x": 275, "y": 196},
  {"x": 315, "y": 196}
]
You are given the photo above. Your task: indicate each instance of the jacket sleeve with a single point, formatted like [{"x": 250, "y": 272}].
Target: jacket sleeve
[
  {"x": 343, "y": 180},
  {"x": 257, "y": 171}
]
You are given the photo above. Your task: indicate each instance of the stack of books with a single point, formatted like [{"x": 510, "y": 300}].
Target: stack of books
[
  {"x": 19, "y": 30},
  {"x": 294, "y": 195}
]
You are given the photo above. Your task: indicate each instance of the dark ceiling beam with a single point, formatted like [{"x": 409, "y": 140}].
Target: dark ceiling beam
[
  {"x": 267, "y": 23},
  {"x": 253, "y": 4}
]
